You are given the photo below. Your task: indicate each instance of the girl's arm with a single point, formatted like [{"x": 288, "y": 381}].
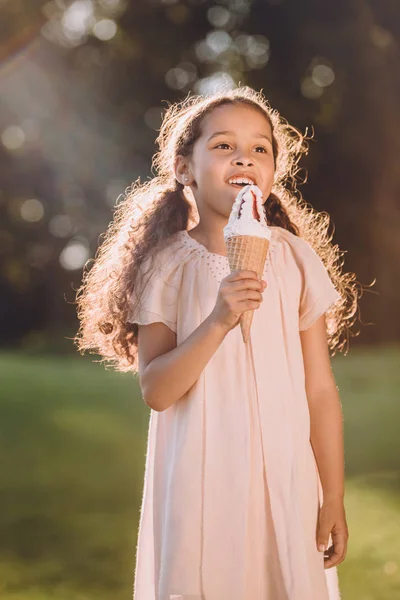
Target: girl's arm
[
  {"x": 168, "y": 371},
  {"x": 326, "y": 421},
  {"x": 325, "y": 409}
]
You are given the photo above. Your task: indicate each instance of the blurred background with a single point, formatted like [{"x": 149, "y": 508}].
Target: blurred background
[{"x": 83, "y": 86}]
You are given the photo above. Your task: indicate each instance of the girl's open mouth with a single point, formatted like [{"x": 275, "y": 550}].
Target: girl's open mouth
[{"x": 238, "y": 185}]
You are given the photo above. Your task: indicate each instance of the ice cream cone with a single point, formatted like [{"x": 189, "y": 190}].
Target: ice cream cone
[
  {"x": 247, "y": 252},
  {"x": 247, "y": 236}
]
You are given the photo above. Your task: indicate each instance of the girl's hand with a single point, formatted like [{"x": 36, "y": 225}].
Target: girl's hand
[
  {"x": 238, "y": 292},
  {"x": 332, "y": 520}
]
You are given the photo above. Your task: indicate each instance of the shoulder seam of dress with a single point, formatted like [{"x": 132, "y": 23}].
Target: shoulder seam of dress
[
  {"x": 176, "y": 254},
  {"x": 285, "y": 232},
  {"x": 296, "y": 240}
]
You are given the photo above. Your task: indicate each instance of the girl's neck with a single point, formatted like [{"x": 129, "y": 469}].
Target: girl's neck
[{"x": 213, "y": 241}]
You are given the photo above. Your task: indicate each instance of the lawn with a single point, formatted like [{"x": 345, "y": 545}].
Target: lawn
[{"x": 72, "y": 447}]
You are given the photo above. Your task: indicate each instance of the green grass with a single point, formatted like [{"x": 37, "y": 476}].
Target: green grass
[
  {"x": 72, "y": 452},
  {"x": 369, "y": 384},
  {"x": 72, "y": 442}
]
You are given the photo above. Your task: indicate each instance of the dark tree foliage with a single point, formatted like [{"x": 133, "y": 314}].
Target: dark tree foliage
[{"x": 89, "y": 105}]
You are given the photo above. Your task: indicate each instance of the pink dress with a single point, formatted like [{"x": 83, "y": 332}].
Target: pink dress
[{"x": 231, "y": 490}]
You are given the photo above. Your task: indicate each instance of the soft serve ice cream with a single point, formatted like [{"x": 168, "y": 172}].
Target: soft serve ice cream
[{"x": 247, "y": 215}]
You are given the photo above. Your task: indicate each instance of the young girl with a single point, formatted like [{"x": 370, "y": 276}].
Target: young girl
[{"x": 244, "y": 483}]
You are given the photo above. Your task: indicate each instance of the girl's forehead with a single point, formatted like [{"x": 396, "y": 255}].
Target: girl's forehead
[{"x": 235, "y": 118}]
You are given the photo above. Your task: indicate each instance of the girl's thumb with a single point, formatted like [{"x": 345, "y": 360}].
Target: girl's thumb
[{"x": 322, "y": 538}]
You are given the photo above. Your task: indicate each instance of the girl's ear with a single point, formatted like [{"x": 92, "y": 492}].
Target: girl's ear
[{"x": 182, "y": 171}]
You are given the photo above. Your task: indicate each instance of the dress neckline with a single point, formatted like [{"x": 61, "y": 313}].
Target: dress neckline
[
  {"x": 200, "y": 246},
  {"x": 197, "y": 244}
]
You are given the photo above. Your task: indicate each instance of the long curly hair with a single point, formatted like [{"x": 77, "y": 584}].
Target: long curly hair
[{"x": 151, "y": 212}]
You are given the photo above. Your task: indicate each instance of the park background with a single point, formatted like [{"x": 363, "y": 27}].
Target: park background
[{"x": 83, "y": 86}]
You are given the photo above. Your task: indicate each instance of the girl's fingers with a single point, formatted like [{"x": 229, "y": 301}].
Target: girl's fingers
[
  {"x": 248, "y": 284},
  {"x": 337, "y": 552},
  {"x": 324, "y": 530},
  {"x": 249, "y": 294},
  {"x": 243, "y": 274},
  {"x": 244, "y": 280}
]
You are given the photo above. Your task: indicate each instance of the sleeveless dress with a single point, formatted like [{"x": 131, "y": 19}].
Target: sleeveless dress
[{"x": 231, "y": 489}]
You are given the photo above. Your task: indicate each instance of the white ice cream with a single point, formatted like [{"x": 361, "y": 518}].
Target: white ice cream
[{"x": 252, "y": 221}]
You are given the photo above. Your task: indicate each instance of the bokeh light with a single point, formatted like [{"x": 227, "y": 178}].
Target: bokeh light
[
  {"x": 255, "y": 49},
  {"x": 381, "y": 37},
  {"x": 323, "y": 75},
  {"x": 77, "y": 19},
  {"x": 111, "y": 5},
  {"x": 181, "y": 76},
  {"x": 177, "y": 78},
  {"x": 61, "y": 226},
  {"x": 218, "y": 16},
  {"x": 13, "y": 137},
  {"x": 320, "y": 75},
  {"x": 32, "y": 210},
  {"x": 310, "y": 89},
  {"x": 105, "y": 29},
  {"x": 74, "y": 255},
  {"x": 204, "y": 52},
  {"x": 218, "y": 81},
  {"x": 218, "y": 41},
  {"x": 390, "y": 568}
]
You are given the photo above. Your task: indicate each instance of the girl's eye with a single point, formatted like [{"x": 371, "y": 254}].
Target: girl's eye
[{"x": 258, "y": 147}]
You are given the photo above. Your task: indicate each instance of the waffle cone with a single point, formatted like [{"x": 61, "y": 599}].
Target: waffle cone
[{"x": 250, "y": 253}]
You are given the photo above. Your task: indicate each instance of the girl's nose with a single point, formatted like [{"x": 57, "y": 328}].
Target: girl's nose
[{"x": 240, "y": 162}]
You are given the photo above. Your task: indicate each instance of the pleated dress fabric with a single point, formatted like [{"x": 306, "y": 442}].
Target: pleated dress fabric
[{"x": 231, "y": 490}]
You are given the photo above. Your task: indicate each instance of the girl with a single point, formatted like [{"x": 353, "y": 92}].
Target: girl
[{"x": 244, "y": 484}]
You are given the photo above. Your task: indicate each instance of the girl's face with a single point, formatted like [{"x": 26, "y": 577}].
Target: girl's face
[{"x": 235, "y": 141}]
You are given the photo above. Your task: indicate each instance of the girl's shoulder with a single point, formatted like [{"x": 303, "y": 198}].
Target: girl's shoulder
[
  {"x": 167, "y": 262},
  {"x": 172, "y": 246},
  {"x": 176, "y": 250},
  {"x": 287, "y": 237},
  {"x": 305, "y": 267},
  {"x": 296, "y": 245},
  {"x": 295, "y": 254}
]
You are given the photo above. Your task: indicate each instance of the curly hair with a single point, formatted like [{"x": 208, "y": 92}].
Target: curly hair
[{"x": 151, "y": 212}]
